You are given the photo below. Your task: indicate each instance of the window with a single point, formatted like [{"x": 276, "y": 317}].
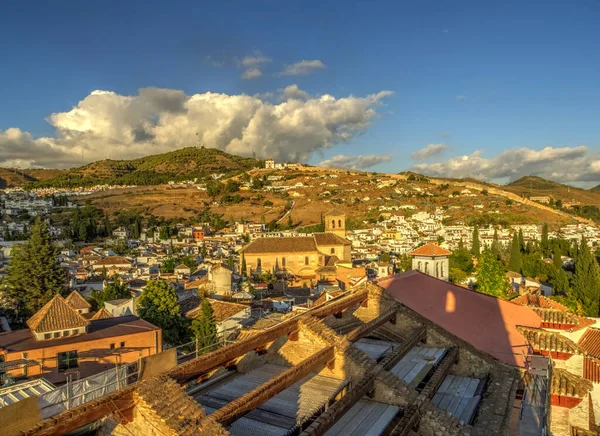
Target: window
[
  {"x": 333, "y": 251},
  {"x": 47, "y": 336},
  {"x": 305, "y": 260},
  {"x": 112, "y": 346},
  {"x": 426, "y": 267},
  {"x": 340, "y": 223},
  {"x": 283, "y": 261},
  {"x": 75, "y": 331},
  {"x": 333, "y": 224},
  {"x": 67, "y": 360},
  {"x": 437, "y": 270},
  {"x": 122, "y": 344},
  {"x": 57, "y": 334},
  {"x": 442, "y": 270},
  {"x": 258, "y": 263},
  {"x": 66, "y": 333}
]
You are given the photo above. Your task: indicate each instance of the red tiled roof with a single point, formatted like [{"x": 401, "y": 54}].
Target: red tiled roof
[
  {"x": 76, "y": 301},
  {"x": 538, "y": 301},
  {"x": 101, "y": 314},
  {"x": 56, "y": 315},
  {"x": 591, "y": 369},
  {"x": 590, "y": 342},
  {"x": 114, "y": 260},
  {"x": 430, "y": 250},
  {"x": 487, "y": 323}
]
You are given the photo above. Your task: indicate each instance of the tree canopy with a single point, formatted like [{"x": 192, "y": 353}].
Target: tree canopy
[
  {"x": 111, "y": 291},
  {"x": 476, "y": 246},
  {"x": 586, "y": 281},
  {"x": 158, "y": 305},
  {"x": 491, "y": 278}
]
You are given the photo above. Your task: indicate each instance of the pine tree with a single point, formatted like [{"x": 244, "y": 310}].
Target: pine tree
[
  {"x": 516, "y": 262},
  {"x": 204, "y": 328},
  {"x": 491, "y": 278},
  {"x": 476, "y": 247},
  {"x": 586, "y": 281},
  {"x": 521, "y": 241},
  {"x": 34, "y": 274}
]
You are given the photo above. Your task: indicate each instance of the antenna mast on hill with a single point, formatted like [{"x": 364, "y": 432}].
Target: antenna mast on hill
[{"x": 198, "y": 140}]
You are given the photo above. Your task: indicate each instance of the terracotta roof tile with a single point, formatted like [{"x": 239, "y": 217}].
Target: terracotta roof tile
[
  {"x": 330, "y": 239},
  {"x": 591, "y": 369},
  {"x": 56, "y": 315},
  {"x": 566, "y": 384},
  {"x": 430, "y": 250},
  {"x": 335, "y": 212},
  {"x": 222, "y": 310},
  {"x": 76, "y": 301},
  {"x": 538, "y": 301},
  {"x": 302, "y": 244},
  {"x": 114, "y": 260},
  {"x": 102, "y": 314},
  {"x": 590, "y": 342},
  {"x": 544, "y": 340}
]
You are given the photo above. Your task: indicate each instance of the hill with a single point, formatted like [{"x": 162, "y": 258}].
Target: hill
[
  {"x": 15, "y": 178},
  {"x": 535, "y": 182},
  {"x": 595, "y": 189},
  {"x": 183, "y": 164},
  {"x": 535, "y": 186}
]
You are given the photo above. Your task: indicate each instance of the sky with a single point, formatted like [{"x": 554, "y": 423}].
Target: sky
[{"x": 493, "y": 90}]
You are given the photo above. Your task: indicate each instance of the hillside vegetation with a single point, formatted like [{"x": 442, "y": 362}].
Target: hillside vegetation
[
  {"x": 14, "y": 178},
  {"x": 183, "y": 164}
]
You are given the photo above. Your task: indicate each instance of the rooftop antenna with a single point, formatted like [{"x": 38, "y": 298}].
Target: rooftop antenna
[{"x": 198, "y": 140}]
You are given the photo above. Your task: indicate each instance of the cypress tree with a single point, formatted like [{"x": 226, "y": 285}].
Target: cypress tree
[
  {"x": 586, "y": 281},
  {"x": 496, "y": 243},
  {"x": 545, "y": 241},
  {"x": 556, "y": 257},
  {"x": 516, "y": 262},
  {"x": 476, "y": 247},
  {"x": 34, "y": 274},
  {"x": 244, "y": 267},
  {"x": 204, "y": 327},
  {"x": 521, "y": 241}
]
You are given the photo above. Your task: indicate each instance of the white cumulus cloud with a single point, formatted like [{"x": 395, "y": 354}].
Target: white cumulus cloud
[
  {"x": 562, "y": 164},
  {"x": 302, "y": 68},
  {"x": 157, "y": 120},
  {"x": 429, "y": 151},
  {"x": 253, "y": 65},
  {"x": 355, "y": 162}
]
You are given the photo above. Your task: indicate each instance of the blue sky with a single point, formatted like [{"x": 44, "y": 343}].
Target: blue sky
[{"x": 472, "y": 75}]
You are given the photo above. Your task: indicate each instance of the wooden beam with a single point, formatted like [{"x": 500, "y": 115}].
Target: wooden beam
[
  {"x": 70, "y": 420},
  {"x": 372, "y": 325},
  {"x": 253, "y": 399}
]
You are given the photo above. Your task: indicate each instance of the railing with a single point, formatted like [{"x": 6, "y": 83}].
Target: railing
[{"x": 125, "y": 375}]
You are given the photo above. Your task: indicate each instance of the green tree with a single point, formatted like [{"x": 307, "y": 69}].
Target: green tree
[
  {"x": 545, "y": 242},
  {"x": 244, "y": 266},
  {"x": 203, "y": 251},
  {"x": 34, "y": 275},
  {"x": 496, "y": 243},
  {"x": 112, "y": 291},
  {"x": 168, "y": 265},
  {"x": 521, "y": 241},
  {"x": 204, "y": 328},
  {"x": 164, "y": 233},
  {"x": 404, "y": 262},
  {"x": 461, "y": 259},
  {"x": 557, "y": 257},
  {"x": 491, "y": 278},
  {"x": 476, "y": 246},
  {"x": 456, "y": 275},
  {"x": 586, "y": 281},
  {"x": 515, "y": 263},
  {"x": 384, "y": 257},
  {"x": 158, "y": 305}
]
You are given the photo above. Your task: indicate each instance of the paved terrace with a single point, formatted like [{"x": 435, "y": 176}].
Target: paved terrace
[{"x": 321, "y": 371}]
